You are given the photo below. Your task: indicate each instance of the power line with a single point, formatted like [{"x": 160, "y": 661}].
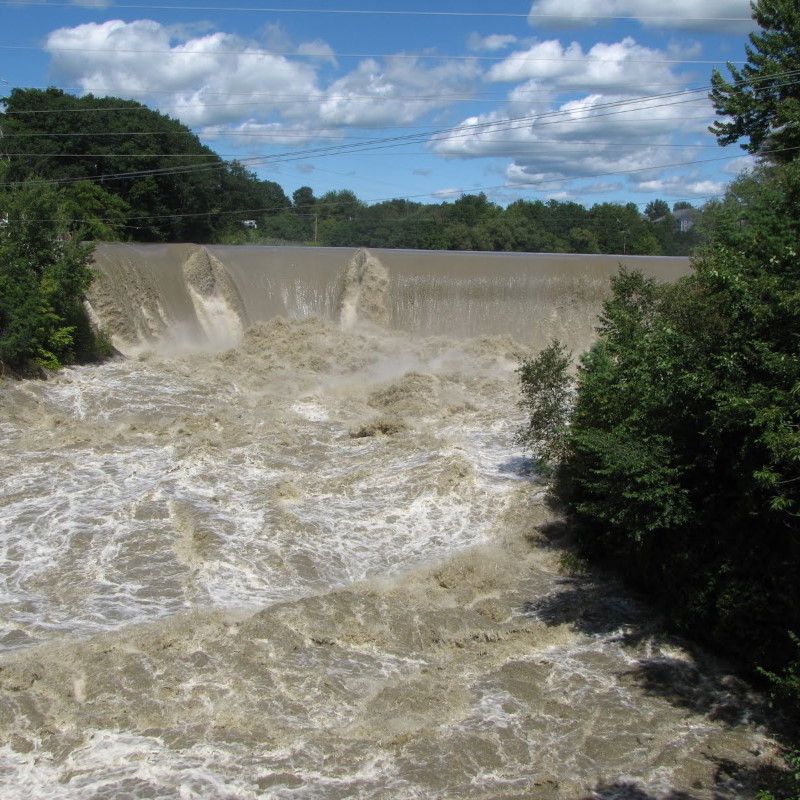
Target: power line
[
  {"x": 401, "y": 56},
  {"x": 701, "y": 91},
  {"x": 460, "y": 131},
  {"x": 283, "y": 99},
  {"x": 522, "y": 185},
  {"x": 403, "y": 13},
  {"x": 472, "y": 96}
]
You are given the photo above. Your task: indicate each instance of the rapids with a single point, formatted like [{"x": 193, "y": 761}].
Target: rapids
[{"x": 285, "y": 548}]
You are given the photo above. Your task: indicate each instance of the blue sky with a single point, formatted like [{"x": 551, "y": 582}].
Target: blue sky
[{"x": 423, "y": 100}]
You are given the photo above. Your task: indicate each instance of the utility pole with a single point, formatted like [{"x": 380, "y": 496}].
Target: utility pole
[{"x": 3, "y": 154}]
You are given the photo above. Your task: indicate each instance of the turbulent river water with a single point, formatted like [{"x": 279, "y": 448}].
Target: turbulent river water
[{"x": 286, "y": 548}]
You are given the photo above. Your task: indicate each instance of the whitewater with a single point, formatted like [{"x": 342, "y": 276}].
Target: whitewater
[{"x": 283, "y": 546}]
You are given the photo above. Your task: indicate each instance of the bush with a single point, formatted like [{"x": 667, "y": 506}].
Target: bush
[{"x": 546, "y": 396}]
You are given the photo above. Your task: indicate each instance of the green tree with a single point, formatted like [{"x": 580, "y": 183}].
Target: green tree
[
  {"x": 172, "y": 184},
  {"x": 97, "y": 214},
  {"x": 683, "y": 451},
  {"x": 44, "y": 273},
  {"x": 303, "y": 200},
  {"x": 547, "y": 398},
  {"x": 761, "y": 102},
  {"x": 472, "y": 208},
  {"x": 655, "y": 209},
  {"x": 341, "y": 205}
]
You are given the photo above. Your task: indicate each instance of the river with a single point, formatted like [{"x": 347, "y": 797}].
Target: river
[{"x": 286, "y": 548}]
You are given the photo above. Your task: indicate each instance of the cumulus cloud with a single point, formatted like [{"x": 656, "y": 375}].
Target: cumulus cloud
[
  {"x": 572, "y": 118},
  {"x": 601, "y": 187},
  {"x": 218, "y": 80},
  {"x": 569, "y": 115},
  {"x": 603, "y": 66},
  {"x": 398, "y": 91},
  {"x": 686, "y": 15},
  {"x": 205, "y": 80},
  {"x": 447, "y": 194}
]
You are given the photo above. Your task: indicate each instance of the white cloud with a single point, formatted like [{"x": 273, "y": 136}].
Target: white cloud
[
  {"x": 739, "y": 165},
  {"x": 596, "y": 136},
  {"x": 398, "y": 91},
  {"x": 681, "y": 186},
  {"x": 570, "y": 114},
  {"x": 603, "y": 66},
  {"x": 318, "y": 49},
  {"x": 491, "y": 43},
  {"x": 687, "y": 15},
  {"x": 205, "y": 80},
  {"x": 219, "y": 80},
  {"x": 586, "y": 118},
  {"x": 601, "y": 187}
]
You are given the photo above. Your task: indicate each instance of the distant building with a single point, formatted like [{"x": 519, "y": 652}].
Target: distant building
[
  {"x": 249, "y": 223},
  {"x": 685, "y": 218}
]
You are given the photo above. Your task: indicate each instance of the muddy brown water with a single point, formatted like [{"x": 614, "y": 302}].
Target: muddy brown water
[{"x": 285, "y": 548}]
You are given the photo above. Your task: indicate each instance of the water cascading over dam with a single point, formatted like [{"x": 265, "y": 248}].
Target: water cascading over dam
[
  {"x": 286, "y": 548},
  {"x": 209, "y": 295}
]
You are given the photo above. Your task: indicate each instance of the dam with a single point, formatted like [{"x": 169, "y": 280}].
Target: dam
[
  {"x": 284, "y": 547},
  {"x": 148, "y": 293}
]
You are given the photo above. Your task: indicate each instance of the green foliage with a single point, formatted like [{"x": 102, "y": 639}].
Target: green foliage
[
  {"x": 574, "y": 565},
  {"x": 683, "y": 452},
  {"x": 786, "y": 684},
  {"x": 761, "y": 102},
  {"x": 98, "y": 214},
  {"x": 161, "y": 184},
  {"x": 785, "y": 698},
  {"x": 791, "y": 788},
  {"x": 546, "y": 397},
  {"x": 44, "y": 274},
  {"x": 655, "y": 209}
]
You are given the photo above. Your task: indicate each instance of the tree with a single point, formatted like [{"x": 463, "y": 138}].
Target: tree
[
  {"x": 472, "y": 208},
  {"x": 683, "y": 448},
  {"x": 44, "y": 274},
  {"x": 303, "y": 200},
  {"x": 547, "y": 397},
  {"x": 761, "y": 102},
  {"x": 656, "y": 209},
  {"x": 96, "y": 213},
  {"x": 169, "y": 180}
]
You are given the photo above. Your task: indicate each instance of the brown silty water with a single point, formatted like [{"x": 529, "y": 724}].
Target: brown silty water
[{"x": 286, "y": 549}]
